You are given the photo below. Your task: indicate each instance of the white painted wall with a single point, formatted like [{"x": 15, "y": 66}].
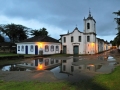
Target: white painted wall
[
  {"x": 42, "y": 48},
  {"x": 70, "y": 44}
]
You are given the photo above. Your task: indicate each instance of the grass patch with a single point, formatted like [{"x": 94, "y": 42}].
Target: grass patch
[
  {"x": 1, "y": 81},
  {"x": 7, "y": 54},
  {"x": 34, "y": 85},
  {"x": 6, "y": 62},
  {"x": 110, "y": 81}
]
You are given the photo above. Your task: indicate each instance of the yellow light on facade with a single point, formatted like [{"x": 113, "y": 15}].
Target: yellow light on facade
[
  {"x": 92, "y": 44},
  {"x": 40, "y": 45}
]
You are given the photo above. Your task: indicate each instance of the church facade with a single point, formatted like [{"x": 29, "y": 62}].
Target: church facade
[{"x": 85, "y": 42}]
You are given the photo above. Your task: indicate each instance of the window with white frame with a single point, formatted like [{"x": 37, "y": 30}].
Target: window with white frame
[
  {"x": 31, "y": 48},
  {"x": 64, "y": 39},
  {"x": 88, "y": 38},
  {"x": 22, "y": 48},
  {"x": 79, "y": 38},
  {"x": 46, "y": 48},
  {"x": 57, "y": 48},
  {"x": 18, "y": 48},
  {"x": 52, "y": 48}
]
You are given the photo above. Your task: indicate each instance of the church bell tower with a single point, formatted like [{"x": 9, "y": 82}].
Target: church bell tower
[{"x": 89, "y": 24}]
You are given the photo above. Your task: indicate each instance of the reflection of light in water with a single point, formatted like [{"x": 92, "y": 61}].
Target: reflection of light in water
[
  {"x": 6, "y": 68},
  {"x": 91, "y": 65},
  {"x": 39, "y": 67},
  {"x": 110, "y": 58}
]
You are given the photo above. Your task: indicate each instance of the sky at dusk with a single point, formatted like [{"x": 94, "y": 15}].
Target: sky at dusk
[{"x": 59, "y": 16}]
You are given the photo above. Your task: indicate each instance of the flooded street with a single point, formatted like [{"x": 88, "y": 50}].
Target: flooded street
[{"x": 70, "y": 68}]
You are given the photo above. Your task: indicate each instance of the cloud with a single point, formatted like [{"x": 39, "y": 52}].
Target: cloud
[
  {"x": 59, "y": 16},
  {"x": 33, "y": 24}
]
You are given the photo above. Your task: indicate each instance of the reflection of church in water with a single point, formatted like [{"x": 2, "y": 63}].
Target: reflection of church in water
[{"x": 69, "y": 67}]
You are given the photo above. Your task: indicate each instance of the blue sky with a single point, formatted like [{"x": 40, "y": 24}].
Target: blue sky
[{"x": 59, "y": 16}]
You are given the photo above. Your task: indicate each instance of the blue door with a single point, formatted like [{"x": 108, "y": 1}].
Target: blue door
[
  {"x": 36, "y": 50},
  {"x": 75, "y": 50},
  {"x": 26, "y": 49},
  {"x": 36, "y": 62}
]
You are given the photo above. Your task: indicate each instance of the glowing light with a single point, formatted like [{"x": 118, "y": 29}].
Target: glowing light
[
  {"x": 40, "y": 45},
  {"x": 39, "y": 67},
  {"x": 91, "y": 65},
  {"x": 92, "y": 44}
]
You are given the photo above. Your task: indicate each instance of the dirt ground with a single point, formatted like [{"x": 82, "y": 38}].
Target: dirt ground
[{"x": 48, "y": 76}]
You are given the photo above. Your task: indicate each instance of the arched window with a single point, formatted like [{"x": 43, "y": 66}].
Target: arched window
[
  {"x": 46, "y": 48},
  {"x": 52, "y": 48},
  {"x": 31, "y": 48},
  {"x": 88, "y": 25},
  {"x": 57, "y": 48},
  {"x": 18, "y": 48},
  {"x": 22, "y": 48}
]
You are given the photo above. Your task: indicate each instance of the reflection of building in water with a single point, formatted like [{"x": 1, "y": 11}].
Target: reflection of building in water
[
  {"x": 68, "y": 67},
  {"x": 43, "y": 63}
]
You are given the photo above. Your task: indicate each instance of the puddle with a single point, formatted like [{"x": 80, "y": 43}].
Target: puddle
[
  {"x": 110, "y": 58},
  {"x": 72, "y": 68}
]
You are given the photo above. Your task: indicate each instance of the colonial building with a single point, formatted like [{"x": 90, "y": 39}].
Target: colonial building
[
  {"x": 39, "y": 45},
  {"x": 85, "y": 42}
]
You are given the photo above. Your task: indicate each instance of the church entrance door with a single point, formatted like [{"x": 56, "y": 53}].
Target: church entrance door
[{"x": 75, "y": 49}]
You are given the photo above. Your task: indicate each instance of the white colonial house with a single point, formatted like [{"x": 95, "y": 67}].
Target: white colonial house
[
  {"x": 39, "y": 45},
  {"x": 85, "y": 42}
]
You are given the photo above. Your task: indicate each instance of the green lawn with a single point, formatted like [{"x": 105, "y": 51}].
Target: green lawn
[
  {"x": 13, "y": 54},
  {"x": 100, "y": 82},
  {"x": 110, "y": 81},
  {"x": 7, "y": 54}
]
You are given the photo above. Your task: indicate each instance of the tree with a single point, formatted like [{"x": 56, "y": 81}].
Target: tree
[
  {"x": 117, "y": 38},
  {"x": 41, "y": 32},
  {"x": 15, "y": 32},
  {"x": 2, "y": 38}
]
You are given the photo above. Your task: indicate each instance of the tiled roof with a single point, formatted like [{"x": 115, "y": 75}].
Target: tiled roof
[{"x": 41, "y": 39}]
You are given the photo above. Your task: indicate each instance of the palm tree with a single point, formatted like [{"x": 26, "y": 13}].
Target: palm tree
[
  {"x": 14, "y": 32},
  {"x": 117, "y": 38},
  {"x": 41, "y": 32}
]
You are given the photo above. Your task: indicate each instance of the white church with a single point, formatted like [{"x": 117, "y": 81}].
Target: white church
[
  {"x": 76, "y": 42},
  {"x": 85, "y": 42}
]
